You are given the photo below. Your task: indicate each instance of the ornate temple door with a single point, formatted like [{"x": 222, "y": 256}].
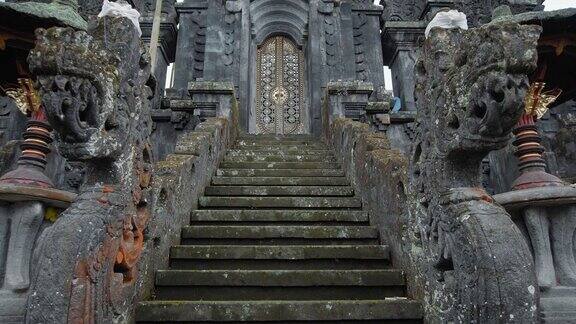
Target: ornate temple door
[{"x": 280, "y": 88}]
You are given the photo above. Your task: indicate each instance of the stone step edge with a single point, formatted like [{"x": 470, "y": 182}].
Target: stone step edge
[
  {"x": 278, "y": 232},
  {"x": 395, "y": 308},
  {"x": 278, "y": 191},
  {"x": 242, "y": 215},
  {"x": 280, "y": 252},
  {"x": 280, "y": 278}
]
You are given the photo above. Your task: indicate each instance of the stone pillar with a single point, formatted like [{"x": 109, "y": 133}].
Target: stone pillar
[
  {"x": 367, "y": 47},
  {"x": 167, "y": 41},
  {"x": 347, "y": 42},
  {"x": 214, "y": 50},
  {"x": 189, "y": 58},
  {"x": 400, "y": 41},
  {"x": 330, "y": 31},
  {"x": 232, "y": 40},
  {"x": 314, "y": 57}
]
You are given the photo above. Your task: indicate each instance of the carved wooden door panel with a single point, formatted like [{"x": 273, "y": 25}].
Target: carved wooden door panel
[{"x": 279, "y": 87}]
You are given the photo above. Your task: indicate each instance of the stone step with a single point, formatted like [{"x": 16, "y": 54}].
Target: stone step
[
  {"x": 283, "y": 216},
  {"x": 280, "y": 173},
  {"x": 278, "y": 137},
  {"x": 282, "y": 150},
  {"x": 279, "y": 235},
  {"x": 261, "y": 232},
  {"x": 279, "y": 278},
  {"x": 339, "y": 311},
  {"x": 287, "y": 142},
  {"x": 279, "y": 165},
  {"x": 296, "y": 252},
  {"x": 279, "y": 257},
  {"x": 281, "y": 147},
  {"x": 279, "y": 191},
  {"x": 280, "y": 181},
  {"x": 280, "y": 202},
  {"x": 278, "y": 284},
  {"x": 237, "y": 153},
  {"x": 280, "y": 158}
]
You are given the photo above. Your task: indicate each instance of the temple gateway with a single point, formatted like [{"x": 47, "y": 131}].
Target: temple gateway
[{"x": 244, "y": 161}]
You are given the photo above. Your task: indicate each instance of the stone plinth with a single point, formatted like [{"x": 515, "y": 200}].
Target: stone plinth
[
  {"x": 212, "y": 99},
  {"x": 549, "y": 216},
  {"x": 24, "y": 213}
]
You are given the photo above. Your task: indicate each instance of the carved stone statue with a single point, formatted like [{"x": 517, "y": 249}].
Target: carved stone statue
[
  {"x": 476, "y": 265},
  {"x": 95, "y": 88}
]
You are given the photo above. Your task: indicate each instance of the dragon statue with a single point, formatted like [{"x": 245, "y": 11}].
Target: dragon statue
[
  {"x": 96, "y": 89},
  {"x": 475, "y": 265}
]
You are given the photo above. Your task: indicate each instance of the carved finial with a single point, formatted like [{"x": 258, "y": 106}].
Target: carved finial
[
  {"x": 537, "y": 101},
  {"x": 26, "y": 97}
]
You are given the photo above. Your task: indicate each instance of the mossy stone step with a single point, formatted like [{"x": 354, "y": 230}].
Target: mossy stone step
[
  {"x": 280, "y": 202},
  {"x": 243, "y": 153},
  {"x": 279, "y": 191},
  {"x": 279, "y": 284},
  {"x": 382, "y": 311},
  {"x": 279, "y": 165},
  {"x": 282, "y": 150},
  {"x": 280, "y": 173},
  {"x": 282, "y": 278},
  {"x": 277, "y": 137},
  {"x": 282, "y": 231},
  {"x": 287, "y": 252},
  {"x": 280, "y": 181},
  {"x": 287, "y": 142},
  {"x": 243, "y": 215},
  {"x": 280, "y": 158},
  {"x": 280, "y": 147}
]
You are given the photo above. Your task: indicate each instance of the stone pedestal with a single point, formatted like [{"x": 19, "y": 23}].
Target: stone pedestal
[
  {"x": 346, "y": 99},
  {"x": 212, "y": 99},
  {"x": 549, "y": 216},
  {"x": 24, "y": 213}
]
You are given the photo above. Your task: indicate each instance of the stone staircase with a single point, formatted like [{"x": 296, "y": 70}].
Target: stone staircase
[{"x": 280, "y": 238}]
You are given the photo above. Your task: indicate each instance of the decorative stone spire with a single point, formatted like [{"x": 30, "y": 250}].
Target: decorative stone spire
[
  {"x": 37, "y": 138},
  {"x": 528, "y": 142}
]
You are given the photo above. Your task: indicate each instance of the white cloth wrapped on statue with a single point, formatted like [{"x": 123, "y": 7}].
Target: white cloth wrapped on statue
[
  {"x": 448, "y": 19},
  {"x": 121, "y": 9}
]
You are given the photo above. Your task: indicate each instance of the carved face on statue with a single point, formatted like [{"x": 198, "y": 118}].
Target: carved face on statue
[
  {"x": 94, "y": 88},
  {"x": 471, "y": 85}
]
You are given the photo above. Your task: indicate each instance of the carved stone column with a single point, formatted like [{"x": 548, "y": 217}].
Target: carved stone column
[
  {"x": 190, "y": 49},
  {"x": 168, "y": 36},
  {"x": 400, "y": 41}
]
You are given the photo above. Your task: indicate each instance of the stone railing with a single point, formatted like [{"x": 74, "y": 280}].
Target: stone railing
[{"x": 179, "y": 181}]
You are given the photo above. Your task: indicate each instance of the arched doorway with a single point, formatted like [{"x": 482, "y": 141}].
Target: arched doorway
[{"x": 280, "y": 102}]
